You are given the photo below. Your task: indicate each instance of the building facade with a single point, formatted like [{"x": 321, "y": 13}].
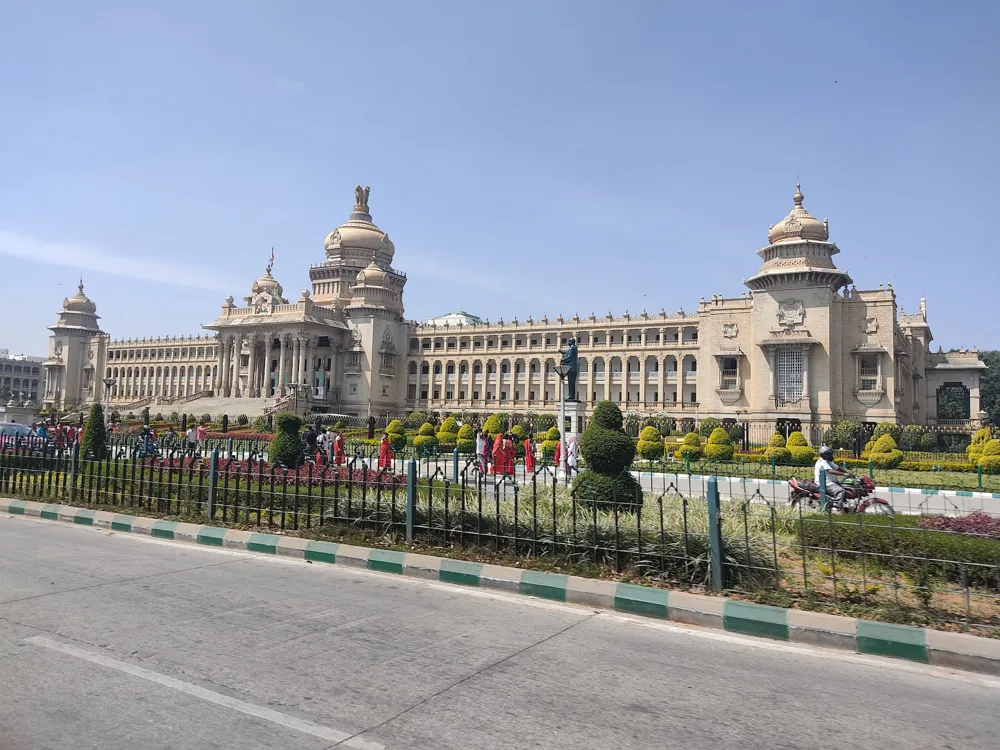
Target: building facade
[
  {"x": 21, "y": 376},
  {"x": 801, "y": 344}
]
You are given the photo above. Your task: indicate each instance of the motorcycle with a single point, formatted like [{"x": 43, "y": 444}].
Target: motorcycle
[{"x": 857, "y": 496}]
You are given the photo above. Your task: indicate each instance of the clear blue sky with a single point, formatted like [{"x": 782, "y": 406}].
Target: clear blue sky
[{"x": 527, "y": 158}]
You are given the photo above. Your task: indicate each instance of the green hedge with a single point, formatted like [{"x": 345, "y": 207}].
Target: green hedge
[
  {"x": 424, "y": 443},
  {"x": 900, "y": 542},
  {"x": 719, "y": 446}
]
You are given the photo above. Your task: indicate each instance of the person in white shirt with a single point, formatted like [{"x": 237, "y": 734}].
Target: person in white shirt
[
  {"x": 834, "y": 490},
  {"x": 572, "y": 451}
]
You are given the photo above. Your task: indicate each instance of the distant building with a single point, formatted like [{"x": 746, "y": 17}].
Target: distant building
[
  {"x": 22, "y": 375},
  {"x": 802, "y": 346}
]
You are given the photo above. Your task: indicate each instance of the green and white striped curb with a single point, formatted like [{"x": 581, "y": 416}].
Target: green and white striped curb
[{"x": 956, "y": 650}]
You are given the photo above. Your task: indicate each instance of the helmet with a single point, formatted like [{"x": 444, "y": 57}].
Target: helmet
[{"x": 826, "y": 453}]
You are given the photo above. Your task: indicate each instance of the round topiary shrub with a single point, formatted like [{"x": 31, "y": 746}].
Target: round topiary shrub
[
  {"x": 719, "y": 446},
  {"x": 608, "y": 452},
  {"x": 494, "y": 425},
  {"x": 242, "y": 420},
  {"x": 466, "y": 442},
  {"x": 395, "y": 427},
  {"x": 424, "y": 444},
  {"x": 990, "y": 464},
  {"x": 992, "y": 448},
  {"x": 690, "y": 447},
  {"x": 286, "y": 447},
  {"x": 426, "y": 430},
  {"x": 449, "y": 425},
  {"x": 796, "y": 440},
  {"x": 979, "y": 441},
  {"x": 447, "y": 440},
  {"x": 650, "y": 445},
  {"x": 552, "y": 434},
  {"x": 885, "y": 454}
]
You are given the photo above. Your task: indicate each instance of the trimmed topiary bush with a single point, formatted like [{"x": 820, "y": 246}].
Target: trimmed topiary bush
[
  {"x": 495, "y": 424},
  {"x": 260, "y": 425},
  {"x": 800, "y": 452},
  {"x": 608, "y": 452},
  {"x": 719, "y": 446},
  {"x": 466, "y": 442},
  {"x": 242, "y": 420},
  {"x": 426, "y": 430},
  {"x": 424, "y": 444},
  {"x": 94, "y": 444},
  {"x": 885, "y": 454},
  {"x": 796, "y": 440},
  {"x": 989, "y": 459},
  {"x": 650, "y": 445},
  {"x": 449, "y": 425},
  {"x": 690, "y": 447},
  {"x": 395, "y": 427},
  {"x": 415, "y": 419},
  {"x": 979, "y": 441},
  {"x": 776, "y": 450},
  {"x": 552, "y": 433},
  {"x": 286, "y": 447}
]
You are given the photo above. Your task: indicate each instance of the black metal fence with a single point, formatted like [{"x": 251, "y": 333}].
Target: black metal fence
[{"x": 683, "y": 531}]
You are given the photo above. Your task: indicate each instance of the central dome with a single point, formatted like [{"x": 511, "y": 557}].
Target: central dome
[
  {"x": 266, "y": 283},
  {"x": 359, "y": 239},
  {"x": 799, "y": 225}
]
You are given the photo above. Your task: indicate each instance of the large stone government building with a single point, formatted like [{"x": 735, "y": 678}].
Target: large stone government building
[{"x": 802, "y": 344}]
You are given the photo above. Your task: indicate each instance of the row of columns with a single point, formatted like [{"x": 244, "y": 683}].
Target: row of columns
[
  {"x": 293, "y": 353},
  {"x": 526, "y": 380}
]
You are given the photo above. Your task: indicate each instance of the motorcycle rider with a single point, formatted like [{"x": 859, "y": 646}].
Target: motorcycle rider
[{"x": 834, "y": 490}]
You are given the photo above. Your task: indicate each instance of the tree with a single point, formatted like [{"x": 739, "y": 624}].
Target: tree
[
  {"x": 95, "y": 435},
  {"x": 989, "y": 387},
  {"x": 286, "y": 447},
  {"x": 5, "y": 394},
  {"x": 608, "y": 452},
  {"x": 953, "y": 401}
]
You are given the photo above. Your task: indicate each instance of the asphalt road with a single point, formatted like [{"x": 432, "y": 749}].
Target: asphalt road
[{"x": 115, "y": 642}]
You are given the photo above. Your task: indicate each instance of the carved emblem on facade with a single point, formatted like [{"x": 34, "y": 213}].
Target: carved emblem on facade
[
  {"x": 58, "y": 348},
  {"x": 730, "y": 330},
  {"x": 356, "y": 334},
  {"x": 791, "y": 312},
  {"x": 870, "y": 325}
]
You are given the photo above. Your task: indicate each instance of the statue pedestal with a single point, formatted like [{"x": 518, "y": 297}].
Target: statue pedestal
[{"x": 574, "y": 413}]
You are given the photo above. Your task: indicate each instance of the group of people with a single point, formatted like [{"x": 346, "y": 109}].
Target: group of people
[
  {"x": 498, "y": 455},
  {"x": 326, "y": 445}
]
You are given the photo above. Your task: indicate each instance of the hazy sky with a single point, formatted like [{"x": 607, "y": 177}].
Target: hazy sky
[{"x": 527, "y": 158}]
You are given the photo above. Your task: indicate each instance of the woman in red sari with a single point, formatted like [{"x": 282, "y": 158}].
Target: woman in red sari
[
  {"x": 529, "y": 457},
  {"x": 385, "y": 454},
  {"x": 498, "y": 454},
  {"x": 509, "y": 455},
  {"x": 339, "y": 455}
]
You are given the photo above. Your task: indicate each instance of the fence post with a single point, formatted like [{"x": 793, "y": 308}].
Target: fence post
[
  {"x": 213, "y": 476},
  {"x": 454, "y": 467},
  {"x": 74, "y": 458},
  {"x": 687, "y": 463},
  {"x": 411, "y": 497},
  {"x": 822, "y": 489},
  {"x": 229, "y": 448},
  {"x": 774, "y": 464},
  {"x": 979, "y": 475},
  {"x": 715, "y": 534}
]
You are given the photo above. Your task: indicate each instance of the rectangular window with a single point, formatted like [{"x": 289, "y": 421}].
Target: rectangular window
[
  {"x": 437, "y": 394},
  {"x": 869, "y": 372},
  {"x": 461, "y": 394},
  {"x": 730, "y": 370},
  {"x": 423, "y": 395},
  {"x": 451, "y": 395},
  {"x": 694, "y": 397},
  {"x": 789, "y": 375},
  {"x": 386, "y": 360},
  {"x": 475, "y": 395},
  {"x": 354, "y": 359}
]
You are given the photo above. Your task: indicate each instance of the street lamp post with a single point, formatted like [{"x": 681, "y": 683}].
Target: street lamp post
[
  {"x": 108, "y": 385},
  {"x": 562, "y": 371}
]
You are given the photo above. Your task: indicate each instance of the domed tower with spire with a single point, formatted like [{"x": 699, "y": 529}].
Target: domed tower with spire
[
  {"x": 797, "y": 318},
  {"x": 77, "y": 354},
  {"x": 351, "y": 248}
]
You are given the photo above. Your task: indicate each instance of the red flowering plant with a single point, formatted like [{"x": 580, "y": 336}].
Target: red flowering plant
[
  {"x": 262, "y": 472},
  {"x": 976, "y": 523}
]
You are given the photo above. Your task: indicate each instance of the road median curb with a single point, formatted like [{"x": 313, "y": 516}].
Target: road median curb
[{"x": 925, "y": 645}]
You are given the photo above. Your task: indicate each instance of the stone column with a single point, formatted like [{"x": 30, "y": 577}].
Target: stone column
[
  {"x": 252, "y": 368},
  {"x": 226, "y": 347},
  {"x": 237, "y": 357},
  {"x": 279, "y": 389},
  {"x": 680, "y": 379},
  {"x": 295, "y": 343},
  {"x": 265, "y": 391},
  {"x": 305, "y": 362},
  {"x": 661, "y": 381}
]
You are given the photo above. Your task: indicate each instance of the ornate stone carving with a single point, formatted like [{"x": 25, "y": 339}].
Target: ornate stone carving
[
  {"x": 870, "y": 326},
  {"x": 730, "y": 330},
  {"x": 361, "y": 198},
  {"x": 729, "y": 396},
  {"x": 791, "y": 312},
  {"x": 869, "y": 398}
]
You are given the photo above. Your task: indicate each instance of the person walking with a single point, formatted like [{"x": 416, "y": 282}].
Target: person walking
[
  {"x": 339, "y": 454},
  {"x": 191, "y": 436},
  {"x": 529, "y": 457},
  {"x": 572, "y": 451},
  {"x": 481, "y": 450},
  {"x": 385, "y": 454},
  {"x": 200, "y": 434}
]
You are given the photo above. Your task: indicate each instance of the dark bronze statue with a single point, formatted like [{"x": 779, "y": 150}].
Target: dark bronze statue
[{"x": 569, "y": 359}]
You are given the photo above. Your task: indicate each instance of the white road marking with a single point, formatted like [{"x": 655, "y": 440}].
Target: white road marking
[
  {"x": 300, "y": 725},
  {"x": 693, "y": 631}
]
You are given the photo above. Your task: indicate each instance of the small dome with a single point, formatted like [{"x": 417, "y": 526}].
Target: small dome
[
  {"x": 799, "y": 225},
  {"x": 79, "y": 302},
  {"x": 266, "y": 283},
  {"x": 372, "y": 275}
]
